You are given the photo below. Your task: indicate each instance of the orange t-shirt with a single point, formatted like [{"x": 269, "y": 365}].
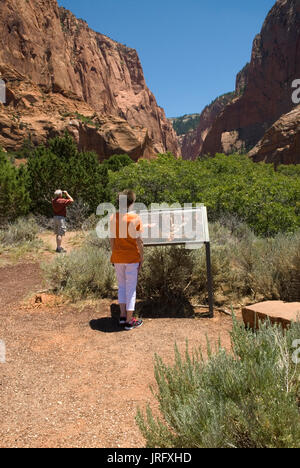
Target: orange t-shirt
[{"x": 125, "y": 233}]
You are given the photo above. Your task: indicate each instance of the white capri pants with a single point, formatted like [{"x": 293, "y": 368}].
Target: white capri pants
[{"x": 127, "y": 276}]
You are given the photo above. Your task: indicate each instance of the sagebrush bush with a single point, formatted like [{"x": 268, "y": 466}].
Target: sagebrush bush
[
  {"x": 270, "y": 267},
  {"x": 165, "y": 277},
  {"x": 77, "y": 214},
  {"x": 83, "y": 273},
  {"x": 244, "y": 267},
  {"x": 21, "y": 231},
  {"x": 248, "y": 398}
]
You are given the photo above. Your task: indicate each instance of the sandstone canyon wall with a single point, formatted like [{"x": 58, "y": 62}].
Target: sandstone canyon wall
[
  {"x": 260, "y": 116},
  {"x": 58, "y": 71},
  {"x": 281, "y": 143},
  {"x": 192, "y": 144},
  {"x": 275, "y": 64}
]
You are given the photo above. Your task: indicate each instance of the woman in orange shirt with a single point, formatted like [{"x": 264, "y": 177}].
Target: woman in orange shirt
[{"x": 127, "y": 256}]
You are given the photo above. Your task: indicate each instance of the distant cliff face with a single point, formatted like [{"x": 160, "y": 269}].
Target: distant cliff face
[
  {"x": 266, "y": 89},
  {"x": 192, "y": 143},
  {"x": 46, "y": 48}
]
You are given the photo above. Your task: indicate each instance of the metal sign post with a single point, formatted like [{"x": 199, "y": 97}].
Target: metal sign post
[{"x": 180, "y": 226}]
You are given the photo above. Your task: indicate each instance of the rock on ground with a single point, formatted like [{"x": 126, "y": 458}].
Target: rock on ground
[{"x": 276, "y": 311}]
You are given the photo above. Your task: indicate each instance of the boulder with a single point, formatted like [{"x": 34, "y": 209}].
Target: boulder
[
  {"x": 276, "y": 311},
  {"x": 281, "y": 143}
]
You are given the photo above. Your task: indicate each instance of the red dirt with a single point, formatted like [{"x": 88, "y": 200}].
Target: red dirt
[{"x": 72, "y": 378}]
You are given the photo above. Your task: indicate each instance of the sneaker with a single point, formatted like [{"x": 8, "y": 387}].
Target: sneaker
[
  {"x": 61, "y": 250},
  {"x": 122, "y": 320},
  {"x": 134, "y": 323}
]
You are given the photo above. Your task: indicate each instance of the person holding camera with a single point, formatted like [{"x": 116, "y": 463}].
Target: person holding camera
[{"x": 59, "y": 204}]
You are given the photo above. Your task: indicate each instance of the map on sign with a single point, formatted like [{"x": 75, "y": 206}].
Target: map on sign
[{"x": 175, "y": 226}]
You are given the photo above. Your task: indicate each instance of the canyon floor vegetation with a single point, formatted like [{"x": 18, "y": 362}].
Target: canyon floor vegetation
[{"x": 245, "y": 393}]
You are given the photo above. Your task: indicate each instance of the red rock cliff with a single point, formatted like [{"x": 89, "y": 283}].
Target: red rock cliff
[
  {"x": 59, "y": 56},
  {"x": 192, "y": 144},
  {"x": 267, "y": 92}
]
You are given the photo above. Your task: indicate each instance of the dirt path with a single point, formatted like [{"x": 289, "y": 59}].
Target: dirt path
[
  {"x": 72, "y": 377},
  {"x": 71, "y": 240}
]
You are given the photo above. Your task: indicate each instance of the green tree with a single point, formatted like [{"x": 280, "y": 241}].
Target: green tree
[
  {"x": 14, "y": 195},
  {"x": 62, "y": 166},
  {"x": 268, "y": 201},
  {"x": 116, "y": 162}
]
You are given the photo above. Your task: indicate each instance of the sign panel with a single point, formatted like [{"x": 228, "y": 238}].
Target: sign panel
[{"x": 175, "y": 226}]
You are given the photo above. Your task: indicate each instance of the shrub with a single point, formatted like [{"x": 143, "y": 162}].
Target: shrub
[
  {"x": 21, "y": 231},
  {"x": 77, "y": 214},
  {"x": 164, "y": 279},
  {"x": 83, "y": 273},
  {"x": 245, "y": 269},
  {"x": 270, "y": 267},
  {"x": 244, "y": 399}
]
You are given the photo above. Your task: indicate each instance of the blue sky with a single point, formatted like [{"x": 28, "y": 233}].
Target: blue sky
[{"x": 190, "y": 50}]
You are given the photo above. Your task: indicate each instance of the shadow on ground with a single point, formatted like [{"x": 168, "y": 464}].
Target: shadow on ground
[
  {"x": 144, "y": 310},
  {"x": 106, "y": 325},
  {"x": 152, "y": 309}
]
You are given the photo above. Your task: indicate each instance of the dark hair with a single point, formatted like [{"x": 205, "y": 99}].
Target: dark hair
[{"x": 131, "y": 197}]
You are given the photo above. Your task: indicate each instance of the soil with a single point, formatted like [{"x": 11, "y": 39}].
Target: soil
[{"x": 73, "y": 377}]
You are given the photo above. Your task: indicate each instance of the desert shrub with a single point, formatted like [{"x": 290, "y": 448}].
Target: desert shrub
[
  {"x": 287, "y": 270},
  {"x": 21, "y": 231},
  {"x": 227, "y": 283},
  {"x": 90, "y": 223},
  {"x": 244, "y": 399},
  {"x": 77, "y": 214},
  {"x": 270, "y": 267},
  {"x": 244, "y": 267},
  {"x": 234, "y": 228},
  {"x": 164, "y": 278},
  {"x": 44, "y": 222},
  {"x": 83, "y": 273}
]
